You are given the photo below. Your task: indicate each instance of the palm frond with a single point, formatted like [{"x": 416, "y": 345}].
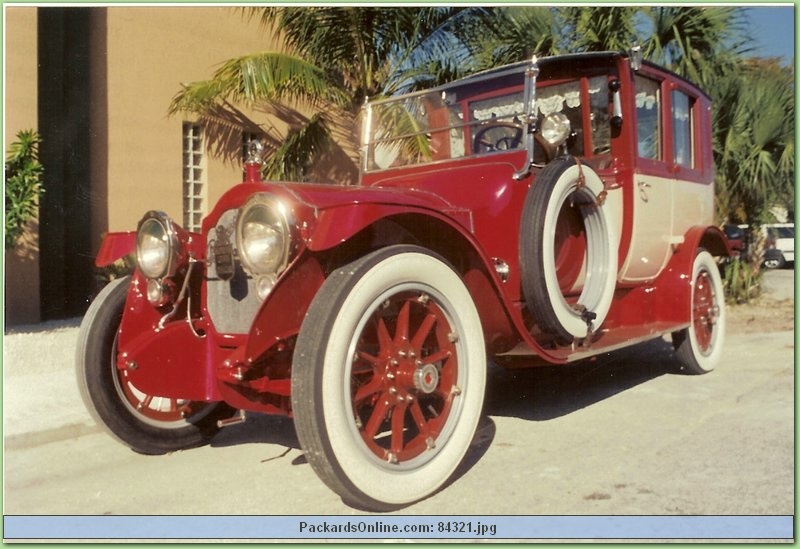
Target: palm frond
[
  {"x": 249, "y": 79},
  {"x": 694, "y": 40},
  {"x": 603, "y": 28},
  {"x": 754, "y": 139},
  {"x": 293, "y": 159}
]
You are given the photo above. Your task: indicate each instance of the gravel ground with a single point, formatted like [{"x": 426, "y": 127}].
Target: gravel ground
[
  {"x": 772, "y": 311},
  {"x": 40, "y": 391}
]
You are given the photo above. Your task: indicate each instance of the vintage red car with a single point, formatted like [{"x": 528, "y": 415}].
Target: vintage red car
[{"x": 553, "y": 209}]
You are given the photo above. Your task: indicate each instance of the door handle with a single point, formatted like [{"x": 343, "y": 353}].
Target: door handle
[{"x": 643, "y": 186}]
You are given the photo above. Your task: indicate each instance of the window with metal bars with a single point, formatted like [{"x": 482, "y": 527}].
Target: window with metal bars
[{"x": 194, "y": 176}]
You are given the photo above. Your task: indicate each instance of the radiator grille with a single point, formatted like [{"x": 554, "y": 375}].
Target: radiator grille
[{"x": 231, "y": 295}]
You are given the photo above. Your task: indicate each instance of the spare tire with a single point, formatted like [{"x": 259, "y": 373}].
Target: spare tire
[{"x": 568, "y": 251}]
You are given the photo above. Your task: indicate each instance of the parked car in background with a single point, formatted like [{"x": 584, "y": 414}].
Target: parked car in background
[
  {"x": 737, "y": 238},
  {"x": 779, "y": 247},
  {"x": 554, "y": 210}
]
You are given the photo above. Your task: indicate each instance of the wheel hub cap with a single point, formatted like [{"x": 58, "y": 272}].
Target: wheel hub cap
[{"x": 426, "y": 378}]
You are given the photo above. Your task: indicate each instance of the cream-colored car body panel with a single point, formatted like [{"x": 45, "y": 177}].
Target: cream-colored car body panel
[{"x": 663, "y": 210}]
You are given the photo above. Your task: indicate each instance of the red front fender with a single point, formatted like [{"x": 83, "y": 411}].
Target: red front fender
[
  {"x": 337, "y": 224},
  {"x": 115, "y": 246},
  {"x": 283, "y": 312}
]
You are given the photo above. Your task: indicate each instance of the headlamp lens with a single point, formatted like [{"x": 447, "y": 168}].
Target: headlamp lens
[
  {"x": 153, "y": 248},
  {"x": 263, "y": 237}
]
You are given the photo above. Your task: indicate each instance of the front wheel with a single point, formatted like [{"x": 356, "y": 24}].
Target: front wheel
[
  {"x": 699, "y": 346},
  {"x": 388, "y": 377},
  {"x": 148, "y": 424}
]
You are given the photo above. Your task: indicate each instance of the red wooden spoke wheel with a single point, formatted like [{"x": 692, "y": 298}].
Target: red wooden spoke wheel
[
  {"x": 705, "y": 311},
  {"x": 157, "y": 409},
  {"x": 404, "y": 379}
]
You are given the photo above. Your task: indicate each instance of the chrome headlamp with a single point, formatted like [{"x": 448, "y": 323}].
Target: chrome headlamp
[
  {"x": 555, "y": 128},
  {"x": 264, "y": 239},
  {"x": 157, "y": 246}
]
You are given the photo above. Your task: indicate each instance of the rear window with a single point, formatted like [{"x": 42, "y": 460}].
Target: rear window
[
  {"x": 733, "y": 232},
  {"x": 785, "y": 232}
]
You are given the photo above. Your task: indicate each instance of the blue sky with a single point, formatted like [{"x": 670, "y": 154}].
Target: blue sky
[{"x": 773, "y": 30}]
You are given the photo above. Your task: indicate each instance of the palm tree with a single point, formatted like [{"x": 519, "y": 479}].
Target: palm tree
[
  {"x": 754, "y": 148},
  {"x": 599, "y": 28},
  {"x": 336, "y": 57},
  {"x": 699, "y": 43},
  {"x": 508, "y": 35},
  {"x": 695, "y": 42},
  {"x": 754, "y": 140}
]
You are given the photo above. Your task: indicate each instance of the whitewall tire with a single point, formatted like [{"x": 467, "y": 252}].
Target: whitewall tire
[
  {"x": 388, "y": 377},
  {"x": 699, "y": 347},
  {"x": 568, "y": 251}
]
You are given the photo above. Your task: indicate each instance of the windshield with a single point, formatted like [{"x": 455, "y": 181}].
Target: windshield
[{"x": 449, "y": 124}]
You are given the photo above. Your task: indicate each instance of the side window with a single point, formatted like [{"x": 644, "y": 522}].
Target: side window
[
  {"x": 648, "y": 120},
  {"x": 598, "y": 115},
  {"x": 682, "y": 129}
]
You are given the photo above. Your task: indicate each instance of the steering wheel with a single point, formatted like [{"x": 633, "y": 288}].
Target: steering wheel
[
  {"x": 504, "y": 136},
  {"x": 497, "y": 136}
]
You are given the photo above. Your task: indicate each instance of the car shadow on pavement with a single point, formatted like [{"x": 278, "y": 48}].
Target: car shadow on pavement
[
  {"x": 548, "y": 392},
  {"x": 279, "y": 430},
  {"x": 259, "y": 429},
  {"x": 536, "y": 394}
]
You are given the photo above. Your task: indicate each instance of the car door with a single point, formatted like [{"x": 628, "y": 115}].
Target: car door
[{"x": 651, "y": 236}]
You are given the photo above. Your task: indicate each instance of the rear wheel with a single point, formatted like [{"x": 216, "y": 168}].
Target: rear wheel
[
  {"x": 148, "y": 424},
  {"x": 699, "y": 346},
  {"x": 773, "y": 259},
  {"x": 388, "y": 377}
]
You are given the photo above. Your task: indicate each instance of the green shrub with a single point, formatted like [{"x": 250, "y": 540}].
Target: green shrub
[
  {"x": 741, "y": 281},
  {"x": 23, "y": 184}
]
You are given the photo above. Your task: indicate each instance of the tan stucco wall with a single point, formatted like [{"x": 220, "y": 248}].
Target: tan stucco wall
[
  {"x": 21, "y": 266},
  {"x": 139, "y": 57},
  {"x": 150, "y": 52}
]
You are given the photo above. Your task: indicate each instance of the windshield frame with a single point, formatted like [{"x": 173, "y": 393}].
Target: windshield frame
[{"x": 424, "y": 138}]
